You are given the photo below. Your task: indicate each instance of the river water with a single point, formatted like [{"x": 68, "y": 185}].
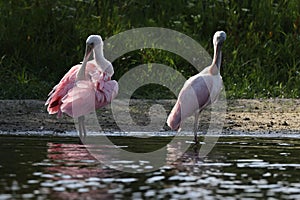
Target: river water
[{"x": 50, "y": 167}]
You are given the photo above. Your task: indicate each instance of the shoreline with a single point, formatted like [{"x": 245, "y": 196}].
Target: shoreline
[
  {"x": 74, "y": 134},
  {"x": 243, "y": 116}
]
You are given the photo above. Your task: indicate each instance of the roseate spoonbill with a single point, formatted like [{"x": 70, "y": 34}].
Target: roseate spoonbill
[
  {"x": 200, "y": 90},
  {"x": 85, "y": 87}
]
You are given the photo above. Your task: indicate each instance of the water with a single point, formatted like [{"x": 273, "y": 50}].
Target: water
[{"x": 237, "y": 168}]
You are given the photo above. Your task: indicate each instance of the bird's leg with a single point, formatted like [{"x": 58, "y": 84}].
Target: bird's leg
[
  {"x": 81, "y": 126},
  {"x": 196, "y": 127}
]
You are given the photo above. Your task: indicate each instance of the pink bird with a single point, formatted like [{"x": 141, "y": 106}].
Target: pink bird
[
  {"x": 200, "y": 90},
  {"x": 85, "y": 87}
]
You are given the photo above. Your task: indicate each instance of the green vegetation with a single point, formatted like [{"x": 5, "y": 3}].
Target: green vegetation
[{"x": 41, "y": 39}]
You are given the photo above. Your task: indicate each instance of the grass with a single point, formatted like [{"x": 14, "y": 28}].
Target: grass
[{"x": 41, "y": 40}]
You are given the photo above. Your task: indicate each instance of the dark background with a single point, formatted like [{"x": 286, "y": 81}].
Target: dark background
[{"x": 41, "y": 39}]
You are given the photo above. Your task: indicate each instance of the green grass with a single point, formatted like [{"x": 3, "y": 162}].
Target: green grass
[{"x": 41, "y": 39}]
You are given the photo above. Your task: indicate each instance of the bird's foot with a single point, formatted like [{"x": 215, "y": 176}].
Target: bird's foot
[
  {"x": 81, "y": 140},
  {"x": 196, "y": 141}
]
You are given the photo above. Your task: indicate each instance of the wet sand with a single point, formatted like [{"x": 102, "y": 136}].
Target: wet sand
[{"x": 255, "y": 116}]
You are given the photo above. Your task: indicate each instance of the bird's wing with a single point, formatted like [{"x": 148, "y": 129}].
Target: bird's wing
[
  {"x": 105, "y": 88},
  {"x": 69, "y": 93},
  {"x": 106, "y": 93},
  {"x": 193, "y": 97},
  {"x": 60, "y": 90},
  {"x": 80, "y": 99}
]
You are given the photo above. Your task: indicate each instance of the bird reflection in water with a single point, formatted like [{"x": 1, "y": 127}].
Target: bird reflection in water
[{"x": 77, "y": 173}]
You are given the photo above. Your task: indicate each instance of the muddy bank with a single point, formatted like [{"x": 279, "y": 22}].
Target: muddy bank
[{"x": 264, "y": 116}]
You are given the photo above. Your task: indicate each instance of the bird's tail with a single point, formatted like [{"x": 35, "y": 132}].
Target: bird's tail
[{"x": 174, "y": 118}]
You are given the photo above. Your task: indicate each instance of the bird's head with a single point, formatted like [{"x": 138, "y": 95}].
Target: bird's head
[
  {"x": 91, "y": 42},
  {"x": 219, "y": 38}
]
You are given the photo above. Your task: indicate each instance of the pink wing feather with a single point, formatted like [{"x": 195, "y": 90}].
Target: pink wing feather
[
  {"x": 193, "y": 97},
  {"x": 60, "y": 90},
  {"x": 81, "y": 97}
]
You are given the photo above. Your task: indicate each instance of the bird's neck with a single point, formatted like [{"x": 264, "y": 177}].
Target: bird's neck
[
  {"x": 216, "y": 63},
  {"x": 99, "y": 57},
  {"x": 81, "y": 72},
  {"x": 102, "y": 62}
]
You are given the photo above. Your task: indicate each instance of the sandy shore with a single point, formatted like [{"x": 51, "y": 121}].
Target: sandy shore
[{"x": 251, "y": 116}]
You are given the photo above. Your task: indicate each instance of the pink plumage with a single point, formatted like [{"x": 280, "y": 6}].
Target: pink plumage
[
  {"x": 195, "y": 95},
  {"x": 85, "y": 87},
  {"x": 200, "y": 90},
  {"x": 69, "y": 93}
]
